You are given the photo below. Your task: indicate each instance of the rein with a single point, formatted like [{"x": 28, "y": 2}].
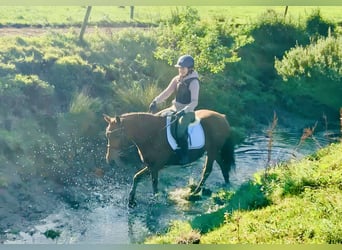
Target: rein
[{"x": 170, "y": 123}]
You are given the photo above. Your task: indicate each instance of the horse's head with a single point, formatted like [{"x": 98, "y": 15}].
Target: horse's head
[{"x": 116, "y": 139}]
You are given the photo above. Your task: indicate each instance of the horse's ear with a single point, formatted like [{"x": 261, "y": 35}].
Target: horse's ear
[
  {"x": 117, "y": 119},
  {"x": 107, "y": 118}
]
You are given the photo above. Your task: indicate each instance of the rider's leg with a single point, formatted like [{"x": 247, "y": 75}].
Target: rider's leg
[{"x": 182, "y": 135}]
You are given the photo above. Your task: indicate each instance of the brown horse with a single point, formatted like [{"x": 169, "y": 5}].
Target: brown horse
[{"x": 148, "y": 133}]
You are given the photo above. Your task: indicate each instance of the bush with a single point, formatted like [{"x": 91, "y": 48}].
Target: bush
[
  {"x": 211, "y": 44},
  {"x": 316, "y": 26},
  {"x": 314, "y": 71},
  {"x": 272, "y": 37},
  {"x": 321, "y": 59}
]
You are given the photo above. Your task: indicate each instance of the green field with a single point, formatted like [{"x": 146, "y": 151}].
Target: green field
[{"x": 110, "y": 15}]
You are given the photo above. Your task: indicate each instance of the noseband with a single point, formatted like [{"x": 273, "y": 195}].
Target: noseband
[{"x": 117, "y": 130}]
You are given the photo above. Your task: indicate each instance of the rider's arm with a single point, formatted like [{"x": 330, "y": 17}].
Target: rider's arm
[{"x": 171, "y": 88}]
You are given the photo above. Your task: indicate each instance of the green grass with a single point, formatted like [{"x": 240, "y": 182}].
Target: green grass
[
  {"x": 110, "y": 15},
  {"x": 305, "y": 204}
]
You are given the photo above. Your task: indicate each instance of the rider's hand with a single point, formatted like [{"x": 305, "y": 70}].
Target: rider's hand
[{"x": 153, "y": 107}]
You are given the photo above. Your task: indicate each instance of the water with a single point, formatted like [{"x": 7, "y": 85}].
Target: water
[{"x": 105, "y": 219}]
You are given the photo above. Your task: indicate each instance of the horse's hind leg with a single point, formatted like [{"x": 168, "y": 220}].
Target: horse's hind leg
[
  {"x": 136, "y": 178},
  {"x": 224, "y": 169},
  {"x": 207, "y": 168}
]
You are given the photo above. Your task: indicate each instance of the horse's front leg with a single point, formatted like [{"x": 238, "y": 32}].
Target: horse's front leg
[
  {"x": 207, "y": 168},
  {"x": 154, "y": 174},
  {"x": 136, "y": 179}
]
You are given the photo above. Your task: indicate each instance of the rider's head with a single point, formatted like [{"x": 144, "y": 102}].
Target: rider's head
[
  {"x": 185, "y": 65},
  {"x": 186, "y": 61}
]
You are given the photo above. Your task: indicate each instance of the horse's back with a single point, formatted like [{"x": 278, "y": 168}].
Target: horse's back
[
  {"x": 205, "y": 113},
  {"x": 212, "y": 117},
  {"x": 215, "y": 124}
]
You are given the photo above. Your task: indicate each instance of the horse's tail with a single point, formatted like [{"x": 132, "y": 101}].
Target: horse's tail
[
  {"x": 227, "y": 152},
  {"x": 227, "y": 161}
]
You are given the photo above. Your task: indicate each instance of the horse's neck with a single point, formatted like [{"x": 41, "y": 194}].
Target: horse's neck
[{"x": 141, "y": 127}]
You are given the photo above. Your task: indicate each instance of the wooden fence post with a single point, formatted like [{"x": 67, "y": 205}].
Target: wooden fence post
[
  {"x": 286, "y": 9},
  {"x": 85, "y": 22},
  {"x": 132, "y": 12}
]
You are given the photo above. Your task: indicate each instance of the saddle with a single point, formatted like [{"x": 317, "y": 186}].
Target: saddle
[{"x": 196, "y": 137}]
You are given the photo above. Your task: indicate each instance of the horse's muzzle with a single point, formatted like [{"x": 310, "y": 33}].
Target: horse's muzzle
[{"x": 113, "y": 158}]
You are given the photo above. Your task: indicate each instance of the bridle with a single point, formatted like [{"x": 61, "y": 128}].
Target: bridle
[{"x": 116, "y": 130}]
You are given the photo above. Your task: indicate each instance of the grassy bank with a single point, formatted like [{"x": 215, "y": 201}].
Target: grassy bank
[{"x": 296, "y": 202}]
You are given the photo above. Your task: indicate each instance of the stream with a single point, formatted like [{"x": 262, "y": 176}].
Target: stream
[{"x": 101, "y": 215}]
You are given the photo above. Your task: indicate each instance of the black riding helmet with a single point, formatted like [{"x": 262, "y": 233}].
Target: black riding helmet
[{"x": 185, "y": 61}]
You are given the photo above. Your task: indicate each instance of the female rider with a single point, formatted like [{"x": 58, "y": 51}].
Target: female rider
[{"x": 185, "y": 85}]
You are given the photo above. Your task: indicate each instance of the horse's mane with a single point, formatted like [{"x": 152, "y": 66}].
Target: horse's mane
[
  {"x": 136, "y": 114},
  {"x": 141, "y": 116}
]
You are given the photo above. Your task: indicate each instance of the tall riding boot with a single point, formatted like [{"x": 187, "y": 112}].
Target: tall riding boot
[{"x": 183, "y": 151}]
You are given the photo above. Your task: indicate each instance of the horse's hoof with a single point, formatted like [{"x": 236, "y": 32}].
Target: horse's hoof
[
  {"x": 192, "y": 187},
  {"x": 155, "y": 197},
  {"x": 193, "y": 197},
  {"x": 132, "y": 204},
  {"x": 196, "y": 191},
  {"x": 206, "y": 192}
]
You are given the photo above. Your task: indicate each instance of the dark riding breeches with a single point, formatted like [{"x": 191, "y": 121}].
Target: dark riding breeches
[{"x": 183, "y": 124}]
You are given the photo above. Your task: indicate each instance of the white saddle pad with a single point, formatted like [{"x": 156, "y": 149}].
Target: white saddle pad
[{"x": 196, "y": 135}]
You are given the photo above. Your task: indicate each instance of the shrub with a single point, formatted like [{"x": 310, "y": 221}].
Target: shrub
[
  {"x": 272, "y": 36},
  {"x": 314, "y": 71},
  {"x": 316, "y": 26},
  {"x": 211, "y": 44},
  {"x": 322, "y": 59}
]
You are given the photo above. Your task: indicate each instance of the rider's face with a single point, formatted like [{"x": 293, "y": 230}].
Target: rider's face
[{"x": 183, "y": 71}]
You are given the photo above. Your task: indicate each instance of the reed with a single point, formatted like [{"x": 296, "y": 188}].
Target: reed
[
  {"x": 325, "y": 125},
  {"x": 332, "y": 136},
  {"x": 341, "y": 123},
  {"x": 307, "y": 133},
  {"x": 270, "y": 133}
]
